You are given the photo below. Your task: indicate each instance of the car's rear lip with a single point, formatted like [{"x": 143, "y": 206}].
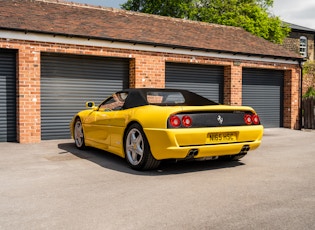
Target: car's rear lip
[{"x": 166, "y": 144}]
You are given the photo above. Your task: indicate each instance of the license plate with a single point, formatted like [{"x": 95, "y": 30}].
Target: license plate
[{"x": 222, "y": 137}]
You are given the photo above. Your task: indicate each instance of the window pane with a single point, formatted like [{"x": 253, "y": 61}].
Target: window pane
[
  {"x": 303, "y": 46},
  {"x": 156, "y": 97}
]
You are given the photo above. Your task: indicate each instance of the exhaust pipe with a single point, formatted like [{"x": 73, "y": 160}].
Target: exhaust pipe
[
  {"x": 244, "y": 149},
  {"x": 192, "y": 153}
]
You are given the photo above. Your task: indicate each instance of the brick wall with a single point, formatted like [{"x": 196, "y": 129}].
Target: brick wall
[
  {"x": 233, "y": 84},
  {"x": 28, "y": 89},
  {"x": 147, "y": 69},
  {"x": 293, "y": 43},
  {"x": 291, "y": 98}
]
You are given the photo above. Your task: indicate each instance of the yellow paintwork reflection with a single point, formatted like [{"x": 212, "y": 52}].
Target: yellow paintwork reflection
[{"x": 106, "y": 129}]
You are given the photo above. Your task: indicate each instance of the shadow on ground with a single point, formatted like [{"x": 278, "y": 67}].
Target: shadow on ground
[{"x": 167, "y": 167}]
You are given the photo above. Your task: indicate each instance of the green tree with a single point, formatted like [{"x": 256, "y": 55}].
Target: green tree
[
  {"x": 252, "y": 15},
  {"x": 309, "y": 93},
  {"x": 172, "y": 8}
]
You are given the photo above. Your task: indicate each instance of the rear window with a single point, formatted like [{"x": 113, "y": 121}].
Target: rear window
[{"x": 165, "y": 98}]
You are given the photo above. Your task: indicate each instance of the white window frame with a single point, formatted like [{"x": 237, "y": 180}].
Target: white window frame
[{"x": 303, "y": 46}]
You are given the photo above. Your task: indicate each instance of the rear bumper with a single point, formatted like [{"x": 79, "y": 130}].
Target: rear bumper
[{"x": 177, "y": 143}]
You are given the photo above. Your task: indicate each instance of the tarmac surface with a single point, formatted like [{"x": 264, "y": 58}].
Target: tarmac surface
[{"x": 52, "y": 185}]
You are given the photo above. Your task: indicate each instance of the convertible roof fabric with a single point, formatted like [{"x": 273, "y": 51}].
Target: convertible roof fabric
[{"x": 138, "y": 97}]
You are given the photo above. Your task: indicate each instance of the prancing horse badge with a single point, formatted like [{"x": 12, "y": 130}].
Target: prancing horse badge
[{"x": 220, "y": 119}]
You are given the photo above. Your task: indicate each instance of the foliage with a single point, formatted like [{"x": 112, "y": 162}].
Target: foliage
[
  {"x": 309, "y": 93},
  {"x": 309, "y": 77},
  {"x": 173, "y": 8},
  {"x": 309, "y": 68},
  {"x": 252, "y": 15}
]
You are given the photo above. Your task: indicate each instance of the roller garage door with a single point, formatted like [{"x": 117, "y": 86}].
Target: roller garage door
[
  {"x": 205, "y": 80},
  {"x": 263, "y": 90},
  {"x": 7, "y": 96},
  {"x": 68, "y": 81}
]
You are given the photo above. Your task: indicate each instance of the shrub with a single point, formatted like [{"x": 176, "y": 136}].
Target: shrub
[{"x": 309, "y": 93}]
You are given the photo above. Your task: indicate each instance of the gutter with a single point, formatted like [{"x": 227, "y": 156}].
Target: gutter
[
  {"x": 112, "y": 40},
  {"x": 301, "y": 62}
]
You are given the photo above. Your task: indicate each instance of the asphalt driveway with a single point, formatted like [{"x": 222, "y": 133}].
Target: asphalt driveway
[{"x": 52, "y": 185}]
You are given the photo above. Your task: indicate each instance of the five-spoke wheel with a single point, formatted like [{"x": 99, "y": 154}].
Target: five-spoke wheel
[
  {"x": 78, "y": 134},
  {"x": 137, "y": 149}
]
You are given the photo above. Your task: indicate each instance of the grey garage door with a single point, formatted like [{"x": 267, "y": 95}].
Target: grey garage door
[
  {"x": 263, "y": 90},
  {"x": 7, "y": 96},
  {"x": 68, "y": 81},
  {"x": 205, "y": 80}
]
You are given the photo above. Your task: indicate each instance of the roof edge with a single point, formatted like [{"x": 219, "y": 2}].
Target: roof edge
[{"x": 134, "y": 42}]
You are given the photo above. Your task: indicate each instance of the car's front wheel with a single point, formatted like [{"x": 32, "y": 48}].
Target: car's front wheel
[
  {"x": 137, "y": 149},
  {"x": 78, "y": 134}
]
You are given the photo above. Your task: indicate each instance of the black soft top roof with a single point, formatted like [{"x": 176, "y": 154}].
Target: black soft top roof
[{"x": 138, "y": 97}]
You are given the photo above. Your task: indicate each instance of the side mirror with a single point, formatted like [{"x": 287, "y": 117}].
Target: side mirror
[{"x": 90, "y": 104}]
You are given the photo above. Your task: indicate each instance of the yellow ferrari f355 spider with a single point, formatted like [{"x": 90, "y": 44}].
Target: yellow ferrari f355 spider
[{"x": 148, "y": 125}]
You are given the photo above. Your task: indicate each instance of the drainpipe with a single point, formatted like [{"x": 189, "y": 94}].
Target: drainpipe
[{"x": 301, "y": 95}]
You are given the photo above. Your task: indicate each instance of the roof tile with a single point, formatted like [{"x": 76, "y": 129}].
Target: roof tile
[{"x": 59, "y": 17}]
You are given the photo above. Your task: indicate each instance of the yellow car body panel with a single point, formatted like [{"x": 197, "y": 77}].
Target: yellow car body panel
[
  {"x": 106, "y": 129},
  {"x": 176, "y": 143}
]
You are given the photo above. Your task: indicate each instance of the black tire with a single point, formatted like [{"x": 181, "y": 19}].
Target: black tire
[
  {"x": 137, "y": 149},
  {"x": 78, "y": 134}
]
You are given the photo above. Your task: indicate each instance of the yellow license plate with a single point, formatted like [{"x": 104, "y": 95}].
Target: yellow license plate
[{"x": 222, "y": 137}]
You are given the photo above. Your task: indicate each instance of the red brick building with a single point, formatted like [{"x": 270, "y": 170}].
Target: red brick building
[
  {"x": 302, "y": 41},
  {"x": 54, "y": 56}
]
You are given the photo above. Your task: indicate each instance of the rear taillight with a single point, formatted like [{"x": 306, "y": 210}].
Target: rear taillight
[
  {"x": 187, "y": 121},
  {"x": 255, "y": 119},
  {"x": 251, "y": 119},
  {"x": 175, "y": 121},
  {"x": 248, "y": 119}
]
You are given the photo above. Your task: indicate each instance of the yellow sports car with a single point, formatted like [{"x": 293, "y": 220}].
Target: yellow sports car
[{"x": 148, "y": 125}]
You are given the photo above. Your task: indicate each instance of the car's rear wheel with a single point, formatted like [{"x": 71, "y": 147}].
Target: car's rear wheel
[
  {"x": 78, "y": 134},
  {"x": 137, "y": 149}
]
